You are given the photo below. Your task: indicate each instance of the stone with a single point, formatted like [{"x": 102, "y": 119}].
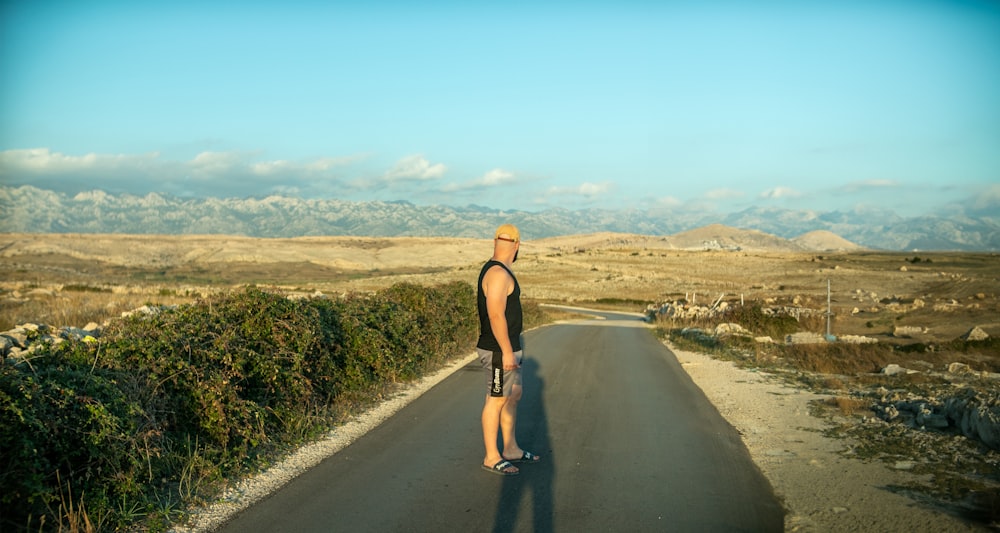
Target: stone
[
  {"x": 730, "y": 328},
  {"x": 5, "y": 345},
  {"x": 890, "y": 412},
  {"x": 857, "y": 339},
  {"x": 19, "y": 336},
  {"x": 959, "y": 368},
  {"x": 73, "y": 333},
  {"x": 907, "y": 331},
  {"x": 975, "y": 334},
  {"x": 804, "y": 337},
  {"x": 976, "y": 414},
  {"x": 986, "y": 420},
  {"x": 927, "y": 418},
  {"x": 894, "y": 370}
]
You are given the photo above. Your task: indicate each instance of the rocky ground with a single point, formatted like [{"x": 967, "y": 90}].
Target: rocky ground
[{"x": 823, "y": 488}]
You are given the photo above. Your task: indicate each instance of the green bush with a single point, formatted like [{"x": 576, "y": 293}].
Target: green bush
[{"x": 123, "y": 426}]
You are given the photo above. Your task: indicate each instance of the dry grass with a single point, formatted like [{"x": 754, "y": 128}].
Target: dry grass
[
  {"x": 847, "y": 406},
  {"x": 839, "y": 358},
  {"x": 60, "y": 307}
]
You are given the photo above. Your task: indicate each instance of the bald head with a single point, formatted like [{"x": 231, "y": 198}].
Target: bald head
[{"x": 506, "y": 243}]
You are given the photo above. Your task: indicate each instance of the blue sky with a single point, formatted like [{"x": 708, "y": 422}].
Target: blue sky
[{"x": 713, "y": 105}]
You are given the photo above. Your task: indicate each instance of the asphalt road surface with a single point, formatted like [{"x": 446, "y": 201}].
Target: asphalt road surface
[{"x": 628, "y": 443}]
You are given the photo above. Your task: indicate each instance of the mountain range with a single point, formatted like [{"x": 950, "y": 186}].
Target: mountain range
[{"x": 28, "y": 209}]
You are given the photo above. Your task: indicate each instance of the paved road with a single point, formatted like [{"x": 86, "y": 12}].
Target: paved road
[{"x": 629, "y": 443}]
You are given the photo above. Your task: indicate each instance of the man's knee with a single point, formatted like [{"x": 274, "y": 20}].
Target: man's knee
[
  {"x": 515, "y": 393},
  {"x": 495, "y": 402}
]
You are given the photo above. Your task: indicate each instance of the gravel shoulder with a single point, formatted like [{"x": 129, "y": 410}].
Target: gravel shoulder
[{"x": 822, "y": 490}]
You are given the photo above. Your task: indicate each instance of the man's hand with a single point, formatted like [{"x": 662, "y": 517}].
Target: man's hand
[{"x": 509, "y": 362}]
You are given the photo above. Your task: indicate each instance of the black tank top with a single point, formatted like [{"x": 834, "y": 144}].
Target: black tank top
[{"x": 513, "y": 313}]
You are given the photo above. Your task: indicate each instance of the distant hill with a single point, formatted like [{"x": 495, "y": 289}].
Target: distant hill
[
  {"x": 710, "y": 237},
  {"x": 605, "y": 240},
  {"x": 825, "y": 241},
  {"x": 29, "y": 209},
  {"x": 721, "y": 237}
]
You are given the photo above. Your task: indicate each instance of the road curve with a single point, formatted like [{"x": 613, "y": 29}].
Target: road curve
[{"x": 629, "y": 443}]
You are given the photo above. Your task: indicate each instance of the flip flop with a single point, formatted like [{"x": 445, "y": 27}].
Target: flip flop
[
  {"x": 500, "y": 468},
  {"x": 527, "y": 457}
]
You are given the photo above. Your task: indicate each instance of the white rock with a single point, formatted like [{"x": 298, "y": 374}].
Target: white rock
[
  {"x": 894, "y": 369},
  {"x": 730, "y": 328},
  {"x": 976, "y": 334},
  {"x": 906, "y": 331},
  {"x": 959, "y": 368}
]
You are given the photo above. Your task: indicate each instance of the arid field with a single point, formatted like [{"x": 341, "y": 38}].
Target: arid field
[
  {"x": 913, "y": 298},
  {"x": 871, "y": 292}
]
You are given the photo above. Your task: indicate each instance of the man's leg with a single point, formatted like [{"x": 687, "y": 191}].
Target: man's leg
[
  {"x": 508, "y": 420},
  {"x": 491, "y": 420}
]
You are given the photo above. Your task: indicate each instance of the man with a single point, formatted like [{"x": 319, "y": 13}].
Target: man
[{"x": 498, "y": 298}]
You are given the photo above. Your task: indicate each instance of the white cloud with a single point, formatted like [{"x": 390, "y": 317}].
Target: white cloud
[
  {"x": 219, "y": 174},
  {"x": 497, "y": 177},
  {"x": 414, "y": 167},
  {"x": 44, "y": 161},
  {"x": 329, "y": 163},
  {"x": 269, "y": 168},
  {"x": 493, "y": 178},
  {"x": 778, "y": 193},
  {"x": 667, "y": 201},
  {"x": 213, "y": 165},
  {"x": 210, "y": 173},
  {"x": 987, "y": 199},
  {"x": 587, "y": 192},
  {"x": 587, "y": 189},
  {"x": 593, "y": 189}
]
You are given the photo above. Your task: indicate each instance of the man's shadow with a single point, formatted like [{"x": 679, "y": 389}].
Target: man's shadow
[{"x": 535, "y": 479}]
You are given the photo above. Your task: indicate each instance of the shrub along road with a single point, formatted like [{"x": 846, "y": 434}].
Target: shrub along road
[{"x": 628, "y": 443}]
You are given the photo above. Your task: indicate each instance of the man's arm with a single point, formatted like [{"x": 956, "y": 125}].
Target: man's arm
[{"x": 497, "y": 285}]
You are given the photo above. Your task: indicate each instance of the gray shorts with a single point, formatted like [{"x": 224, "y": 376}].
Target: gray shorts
[{"x": 499, "y": 383}]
